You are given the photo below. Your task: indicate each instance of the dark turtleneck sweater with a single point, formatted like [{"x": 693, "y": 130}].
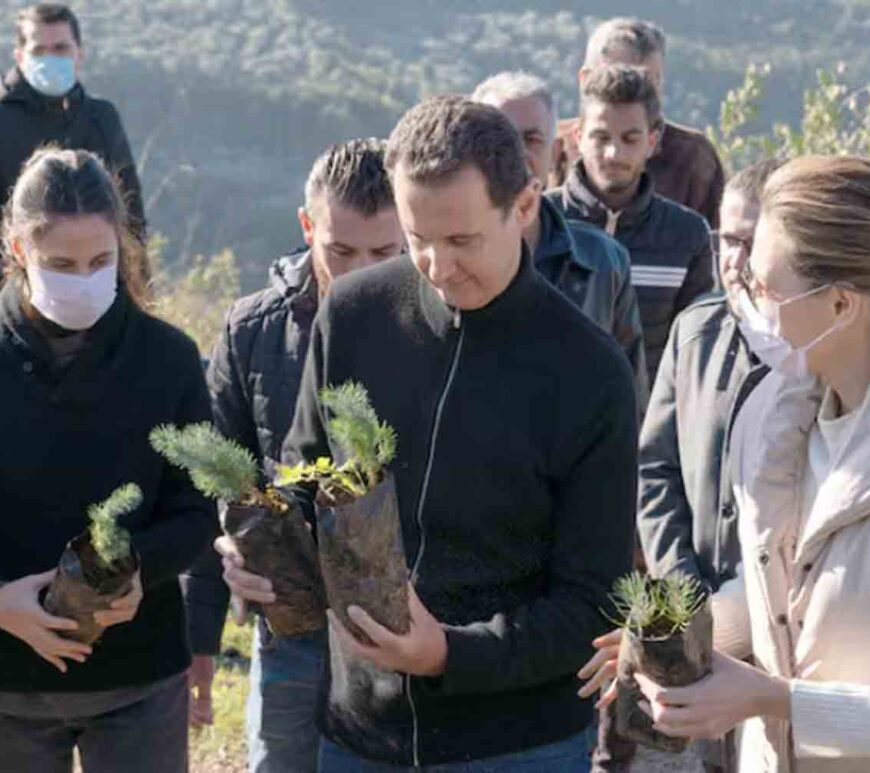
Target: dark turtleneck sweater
[{"x": 516, "y": 480}]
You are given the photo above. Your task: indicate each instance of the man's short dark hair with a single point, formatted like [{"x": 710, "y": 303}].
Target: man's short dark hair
[
  {"x": 620, "y": 85},
  {"x": 47, "y": 13},
  {"x": 442, "y": 135},
  {"x": 750, "y": 182},
  {"x": 351, "y": 173}
]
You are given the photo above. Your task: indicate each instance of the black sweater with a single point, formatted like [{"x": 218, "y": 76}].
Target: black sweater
[
  {"x": 523, "y": 413},
  {"x": 70, "y": 437}
]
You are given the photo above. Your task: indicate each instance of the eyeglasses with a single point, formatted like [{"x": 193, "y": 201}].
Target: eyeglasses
[
  {"x": 747, "y": 279},
  {"x": 720, "y": 241}
]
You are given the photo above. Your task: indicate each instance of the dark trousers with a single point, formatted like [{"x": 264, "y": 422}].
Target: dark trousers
[{"x": 145, "y": 736}]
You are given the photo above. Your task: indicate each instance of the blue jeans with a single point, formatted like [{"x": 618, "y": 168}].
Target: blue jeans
[
  {"x": 568, "y": 756},
  {"x": 282, "y": 702}
]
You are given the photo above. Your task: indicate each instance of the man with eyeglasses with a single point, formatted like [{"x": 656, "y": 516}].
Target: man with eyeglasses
[{"x": 687, "y": 519}]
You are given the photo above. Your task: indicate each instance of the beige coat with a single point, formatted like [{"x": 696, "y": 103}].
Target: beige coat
[{"x": 804, "y": 593}]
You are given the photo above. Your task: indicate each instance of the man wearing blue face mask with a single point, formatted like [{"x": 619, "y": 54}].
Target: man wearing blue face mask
[{"x": 42, "y": 102}]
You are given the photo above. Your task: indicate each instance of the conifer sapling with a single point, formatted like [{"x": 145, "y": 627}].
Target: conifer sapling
[
  {"x": 110, "y": 540},
  {"x": 367, "y": 443},
  {"x": 219, "y": 468},
  {"x": 656, "y": 608},
  {"x": 668, "y": 636},
  {"x": 269, "y": 532}
]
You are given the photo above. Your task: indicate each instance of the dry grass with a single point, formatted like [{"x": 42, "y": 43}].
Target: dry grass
[{"x": 221, "y": 747}]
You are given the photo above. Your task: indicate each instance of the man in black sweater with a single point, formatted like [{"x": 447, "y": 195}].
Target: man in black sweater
[{"x": 515, "y": 469}]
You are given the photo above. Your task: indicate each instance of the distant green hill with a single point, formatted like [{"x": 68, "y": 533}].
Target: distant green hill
[{"x": 227, "y": 102}]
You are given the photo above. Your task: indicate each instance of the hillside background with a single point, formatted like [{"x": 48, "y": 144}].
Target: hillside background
[{"x": 227, "y": 102}]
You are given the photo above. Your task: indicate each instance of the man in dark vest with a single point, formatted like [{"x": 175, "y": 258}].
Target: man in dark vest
[{"x": 349, "y": 222}]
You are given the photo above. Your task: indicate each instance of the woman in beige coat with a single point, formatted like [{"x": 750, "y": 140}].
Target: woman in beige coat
[{"x": 801, "y": 465}]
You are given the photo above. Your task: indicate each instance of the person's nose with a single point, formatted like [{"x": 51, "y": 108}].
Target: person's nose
[
  {"x": 441, "y": 266},
  {"x": 611, "y": 151}
]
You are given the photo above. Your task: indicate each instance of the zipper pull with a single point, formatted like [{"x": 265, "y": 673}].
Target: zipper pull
[{"x": 457, "y": 319}]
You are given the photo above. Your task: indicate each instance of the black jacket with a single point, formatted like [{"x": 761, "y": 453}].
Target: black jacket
[
  {"x": 669, "y": 246},
  {"x": 593, "y": 271},
  {"x": 687, "y": 519},
  {"x": 77, "y": 121},
  {"x": 516, "y": 482},
  {"x": 253, "y": 378},
  {"x": 69, "y": 439}
]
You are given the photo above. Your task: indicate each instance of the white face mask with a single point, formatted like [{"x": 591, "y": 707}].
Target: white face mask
[
  {"x": 765, "y": 339},
  {"x": 72, "y": 301}
]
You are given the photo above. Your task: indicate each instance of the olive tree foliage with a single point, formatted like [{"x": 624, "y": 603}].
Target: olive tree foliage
[
  {"x": 835, "y": 120},
  {"x": 197, "y": 296}
]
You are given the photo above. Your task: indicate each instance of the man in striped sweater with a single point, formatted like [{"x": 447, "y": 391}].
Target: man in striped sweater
[{"x": 669, "y": 245}]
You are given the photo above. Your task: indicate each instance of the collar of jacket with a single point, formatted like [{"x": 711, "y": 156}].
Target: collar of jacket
[
  {"x": 15, "y": 88},
  {"x": 578, "y": 196},
  {"x": 663, "y": 139},
  {"x": 555, "y": 239},
  {"x": 31, "y": 345},
  {"x": 292, "y": 277},
  {"x": 776, "y": 433},
  {"x": 517, "y": 300}
]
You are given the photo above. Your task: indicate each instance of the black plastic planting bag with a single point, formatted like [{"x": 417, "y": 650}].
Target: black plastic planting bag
[
  {"x": 83, "y": 586},
  {"x": 363, "y": 560},
  {"x": 675, "y": 661},
  {"x": 279, "y": 547}
]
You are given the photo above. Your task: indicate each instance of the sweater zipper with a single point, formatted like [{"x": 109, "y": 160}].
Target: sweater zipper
[
  {"x": 424, "y": 488},
  {"x": 612, "y": 222}
]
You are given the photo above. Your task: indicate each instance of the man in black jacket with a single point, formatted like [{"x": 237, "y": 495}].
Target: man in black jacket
[
  {"x": 591, "y": 268},
  {"x": 42, "y": 102},
  {"x": 687, "y": 519},
  {"x": 515, "y": 468},
  {"x": 618, "y": 130},
  {"x": 349, "y": 221}
]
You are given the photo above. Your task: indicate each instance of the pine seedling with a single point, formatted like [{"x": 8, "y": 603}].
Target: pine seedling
[
  {"x": 682, "y": 597},
  {"x": 635, "y": 603},
  {"x": 656, "y": 608},
  {"x": 367, "y": 443},
  {"x": 110, "y": 540},
  {"x": 355, "y": 428},
  {"x": 219, "y": 468}
]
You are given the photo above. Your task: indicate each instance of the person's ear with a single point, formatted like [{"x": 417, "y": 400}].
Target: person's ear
[
  {"x": 577, "y": 132},
  {"x": 307, "y": 225},
  {"x": 79, "y": 60},
  {"x": 528, "y": 203},
  {"x": 16, "y": 248},
  {"x": 847, "y": 305},
  {"x": 583, "y": 74},
  {"x": 556, "y": 150}
]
